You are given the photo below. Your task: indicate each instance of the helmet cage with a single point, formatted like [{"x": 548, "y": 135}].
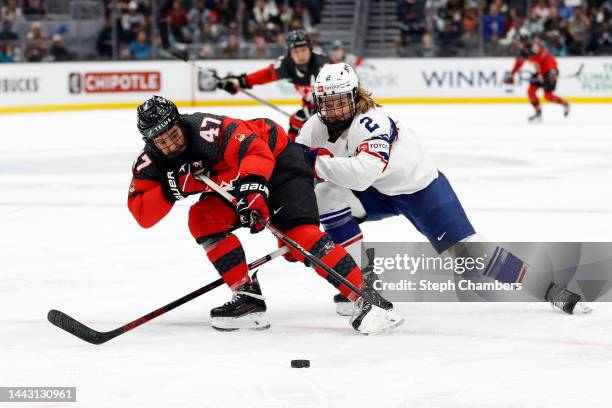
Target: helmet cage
[
  {"x": 155, "y": 117},
  {"x": 331, "y": 109}
]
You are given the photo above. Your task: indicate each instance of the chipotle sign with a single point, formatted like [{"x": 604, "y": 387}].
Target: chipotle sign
[{"x": 112, "y": 82}]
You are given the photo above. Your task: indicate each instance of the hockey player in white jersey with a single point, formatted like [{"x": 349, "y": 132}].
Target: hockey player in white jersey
[{"x": 371, "y": 167}]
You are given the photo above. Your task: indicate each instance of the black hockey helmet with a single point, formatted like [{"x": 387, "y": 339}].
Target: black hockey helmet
[
  {"x": 298, "y": 38},
  {"x": 155, "y": 116}
]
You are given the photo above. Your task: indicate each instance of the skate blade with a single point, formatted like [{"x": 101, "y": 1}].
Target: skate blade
[
  {"x": 251, "y": 321},
  {"x": 393, "y": 320},
  {"x": 345, "y": 308}
]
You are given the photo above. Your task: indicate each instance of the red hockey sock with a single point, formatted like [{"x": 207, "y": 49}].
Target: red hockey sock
[
  {"x": 229, "y": 260},
  {"x": 550, "y": 97},
  {"x": 533, "y": 98},
  {"x": 335, "y": 256}
]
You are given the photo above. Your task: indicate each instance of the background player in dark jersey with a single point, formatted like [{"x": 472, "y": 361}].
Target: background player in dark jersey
[
  {"x": 300, "y": 67},
  {"x": 545, "y": 77},
  {"x": 254, "y": 159}
]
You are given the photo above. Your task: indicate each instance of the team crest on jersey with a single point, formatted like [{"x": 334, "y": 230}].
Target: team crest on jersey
[{"x": 239, "y": 136}]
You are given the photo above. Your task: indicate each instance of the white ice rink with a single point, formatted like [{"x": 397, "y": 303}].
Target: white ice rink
[{"x": 69, "y": 242}]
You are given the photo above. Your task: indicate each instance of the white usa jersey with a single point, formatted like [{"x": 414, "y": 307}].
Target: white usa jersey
[{"x": 374, "y": 151}]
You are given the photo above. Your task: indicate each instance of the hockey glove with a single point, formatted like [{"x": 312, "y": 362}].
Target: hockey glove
[
  {"x": 252, "y": 195},
  {"x": 180, "y": 183},
  {"x": 313, "y": 153},
  {"x": 233, "y": 84}
]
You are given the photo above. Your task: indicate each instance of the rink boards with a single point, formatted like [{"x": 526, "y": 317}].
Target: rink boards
[{"x": 95, "y": 85}]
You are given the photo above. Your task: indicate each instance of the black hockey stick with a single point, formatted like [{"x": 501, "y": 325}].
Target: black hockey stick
[
  {"x": 72, "y": 326},
  {"x": 291, "y": 243},
  {"x": 575, "y": 74}
]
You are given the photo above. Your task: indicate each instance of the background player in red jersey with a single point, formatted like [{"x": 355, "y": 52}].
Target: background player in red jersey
[
  {"x": 534, "y": 51},
  {"x": 255, "y": 159},
  {"x": 300, "y": 67}
]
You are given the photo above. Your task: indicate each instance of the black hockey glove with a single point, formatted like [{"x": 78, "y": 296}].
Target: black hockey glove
[
  {"x": 233, "y": 84},
  {"x": 180, "y": 183},
  {"x": 252, "y": 195}
]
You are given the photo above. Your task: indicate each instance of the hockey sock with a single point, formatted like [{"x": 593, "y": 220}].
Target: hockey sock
[
  {"x": 554, "y": 98},
  {"x": 344, "y": 229},
  {"x": 335, "y": 256},
  {"x": 227, "y": 255},
  {"x": 533, "y": 98}
]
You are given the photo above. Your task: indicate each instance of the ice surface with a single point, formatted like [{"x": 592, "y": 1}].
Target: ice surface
[{"x": 69, "y": 242}]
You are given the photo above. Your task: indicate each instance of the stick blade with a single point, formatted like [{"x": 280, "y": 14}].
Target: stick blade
[{"x": 76, "y": 328}]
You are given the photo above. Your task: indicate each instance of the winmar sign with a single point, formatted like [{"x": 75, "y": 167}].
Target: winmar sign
[{"x": 468, "y": 78}]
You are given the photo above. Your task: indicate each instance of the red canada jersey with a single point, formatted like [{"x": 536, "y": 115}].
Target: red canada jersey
[
  {"x": 228, "y": 148},
  {"x": 285, "y": 68},
  {"x": 543, "y": 60}
]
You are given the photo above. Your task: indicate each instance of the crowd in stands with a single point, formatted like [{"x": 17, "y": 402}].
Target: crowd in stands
[
  {"x": 256, "y": 28},
  {"x": 469, "y": 27},
  {"x": 208, "y": 28}
]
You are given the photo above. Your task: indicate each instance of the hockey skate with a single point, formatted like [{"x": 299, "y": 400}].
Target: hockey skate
[
  {"x": 563, "y": 299},
  {"x": 566, "y": 110},
  {"x": 246, "y": 310},
  {"x": 345, "y": 307},
  {"x": 376, "y": 318},
  {"x": 536, "y": 117}
]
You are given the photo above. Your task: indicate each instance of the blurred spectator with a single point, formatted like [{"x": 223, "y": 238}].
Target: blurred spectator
[
  {"x": 6, "y": 52},
  {"x": 177, "y": 18},
  {"x": 578, "y": 28},
  {"x": 104, "y": 43},
  {"x": 535, "y": 25},
  {"x": 314, "y": 40},
  {"x": 34, "y": 9},
  {"x": 565, "y": 12},
  {"x": 58, "y": 51},
  {"x": 36, "y": 51},
  {"x": 36, "y": 33},
  {"x": 7, "y": 33},
  {"x": 232, "y": 47},
  {"x": 493, "y": 25},
  {"x": 206, "y": 51},
  {"x": 132, "y": 22},
  {"x": 140, "y": 48},
  {"x": 412, "y": 27},
  {"x": 11, "y": 11},
  {"x": 470, "y": 30},
  {"x": 259, "y": 48},
  {"x": 427, "y": 50},
  {"x": 265, "y": 16},
  {"x": 449, "y": 39},
  {"x": 541, "y": 10},
  {"x": 601, "y": 42},
  {"x": 556, "y": 43},
  {"x": 197, "y": 16}
]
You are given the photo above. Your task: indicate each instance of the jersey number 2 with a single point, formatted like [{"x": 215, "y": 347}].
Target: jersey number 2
[{"x": 368, "y": 123}]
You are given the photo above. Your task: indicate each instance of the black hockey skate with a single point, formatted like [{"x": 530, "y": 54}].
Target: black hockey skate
[
  {"x": 246, "y": 310},
  {"x": 536, "y": 117},
  {"x": 563, "y": 299},
  {"x": 345, "y": 307},
  {"x": 377, "y": 317},
  {"x": 566, "y": 110}
]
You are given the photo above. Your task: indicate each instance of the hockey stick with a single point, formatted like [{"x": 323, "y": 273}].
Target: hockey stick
[
  {"x": 289, "y": 242},
  {"x": 72, "y": 326},
  {"x": 212, "y": 72},
  {"x": 576, "y": 74}
]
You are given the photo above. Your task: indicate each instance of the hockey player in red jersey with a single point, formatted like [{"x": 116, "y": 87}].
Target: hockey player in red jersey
[
  {"x": 255, "y": 160},
  {"x": 534, "y": 51},
  {"x": 300, "y": 66}
]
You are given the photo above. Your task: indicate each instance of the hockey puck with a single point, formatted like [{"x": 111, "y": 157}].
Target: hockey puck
[{"x": 300, "y": 363}]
